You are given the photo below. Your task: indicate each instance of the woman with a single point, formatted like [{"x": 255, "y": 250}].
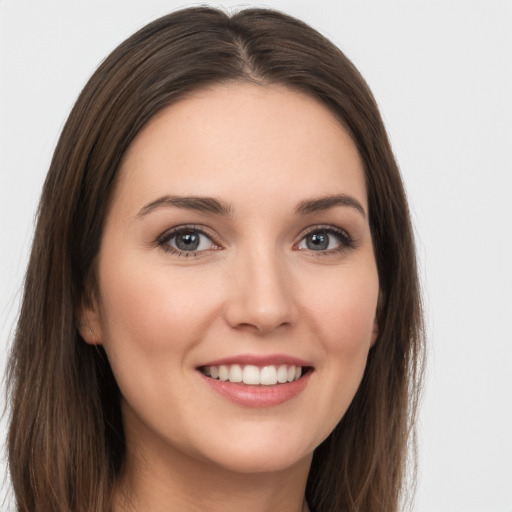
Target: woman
[{"x": 221, "y": 309}]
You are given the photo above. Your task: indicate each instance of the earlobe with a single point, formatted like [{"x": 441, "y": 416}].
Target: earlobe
[
  {"x": 375, "y": 332},
  {"x": 89, "y": 325}
]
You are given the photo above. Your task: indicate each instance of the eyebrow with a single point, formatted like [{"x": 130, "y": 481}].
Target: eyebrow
[
  {"x": 218, "y": 207},
  {"x": 327, "y": 202},
  {"x": 201, "y": 204}
]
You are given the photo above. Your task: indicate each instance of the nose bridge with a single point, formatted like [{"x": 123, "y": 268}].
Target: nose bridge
[{"x": 263, "y": 296}]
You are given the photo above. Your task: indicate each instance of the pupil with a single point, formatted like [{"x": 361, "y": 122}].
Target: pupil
[
  {"x": 317, "y": 241},
  {"x": 187, "y": 241}
]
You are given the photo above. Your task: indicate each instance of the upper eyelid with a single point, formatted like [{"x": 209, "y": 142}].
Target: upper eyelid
[
  {"x": 169, "y": 233},
  {"x": 324, "y": 227}
]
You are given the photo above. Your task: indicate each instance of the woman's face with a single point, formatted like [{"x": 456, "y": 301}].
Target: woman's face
[{"x": 237, "y": 246}]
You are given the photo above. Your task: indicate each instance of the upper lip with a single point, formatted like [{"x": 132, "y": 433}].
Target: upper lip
[{"x": 258, "y": 360}]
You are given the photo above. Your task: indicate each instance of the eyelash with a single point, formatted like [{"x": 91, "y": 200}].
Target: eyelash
[
  {"x": 164, "y": 239},
  {"x": 345, "y": 240}
]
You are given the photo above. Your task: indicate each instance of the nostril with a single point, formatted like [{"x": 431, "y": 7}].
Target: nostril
[
  {"x": 260, "y": 327},
  {"x": 261, "y": 299}
]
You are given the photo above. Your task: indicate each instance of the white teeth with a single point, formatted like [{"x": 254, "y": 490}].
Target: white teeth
[
  {"x": 282, "y": 374},
  {"x": 253, "y": 375},
  {"x": 223, "y": 372},
  {"x": 268, "y": 376},
  {"x": 235, "y": 373}
]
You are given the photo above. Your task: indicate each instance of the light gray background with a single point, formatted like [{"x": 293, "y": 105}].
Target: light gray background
[{"x": 441, "y": 73}]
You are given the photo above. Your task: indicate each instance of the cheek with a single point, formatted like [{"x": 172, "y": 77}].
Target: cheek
[
  {"x": 152, "y": 320},
  {"x": 345, "y": 310},
  {"x": 344, "y": 321},
  {"x": 153, "y": 310}
]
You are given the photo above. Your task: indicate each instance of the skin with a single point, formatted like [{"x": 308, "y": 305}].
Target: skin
[{"x": 255, "y": 287}]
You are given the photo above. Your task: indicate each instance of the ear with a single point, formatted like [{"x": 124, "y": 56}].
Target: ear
[
  {"x": 89, "y": 325},
  {"x": 375, "y": 330}
]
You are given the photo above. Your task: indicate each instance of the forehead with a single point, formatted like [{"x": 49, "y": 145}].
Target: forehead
[{"x": 229, "y": 139}]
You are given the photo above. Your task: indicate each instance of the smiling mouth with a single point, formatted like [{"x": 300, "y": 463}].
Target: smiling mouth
[{"x": 253, "y": 375}]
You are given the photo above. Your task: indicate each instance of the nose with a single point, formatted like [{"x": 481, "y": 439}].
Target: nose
[{"x": 262, "y": 298}]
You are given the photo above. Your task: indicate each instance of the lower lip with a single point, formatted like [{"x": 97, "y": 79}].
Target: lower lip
[{"x": 258, "y": 396}]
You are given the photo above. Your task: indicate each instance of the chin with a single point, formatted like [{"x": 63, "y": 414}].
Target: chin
[
  {"x": 259, "y": 462},
  {"x": 260, "y": 453}
]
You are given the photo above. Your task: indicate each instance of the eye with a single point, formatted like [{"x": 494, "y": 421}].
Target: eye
[
  {"x": 325, "y": 240},
  {"x": 186, "y": 240}
]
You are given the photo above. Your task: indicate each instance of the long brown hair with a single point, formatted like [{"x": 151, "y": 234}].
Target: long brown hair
[{"x": 66, "y": 444}]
